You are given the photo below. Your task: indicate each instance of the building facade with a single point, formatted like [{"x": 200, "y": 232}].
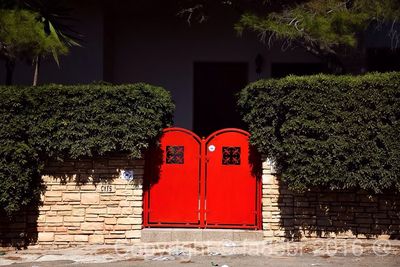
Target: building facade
[{"x": 203, "y": 66}]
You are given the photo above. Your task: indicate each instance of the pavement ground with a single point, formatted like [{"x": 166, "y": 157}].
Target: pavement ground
[{"x": 319, "y": 252}]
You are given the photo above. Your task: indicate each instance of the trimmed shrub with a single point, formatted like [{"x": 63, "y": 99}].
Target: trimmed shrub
[
  {"x": 333, "y": 131},
  {"x": 56, "y": 121},
  {"x": 19, "y": 162}
]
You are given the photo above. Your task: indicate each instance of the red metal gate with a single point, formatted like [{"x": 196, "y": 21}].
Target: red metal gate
[{"x": 209, "y": 183}]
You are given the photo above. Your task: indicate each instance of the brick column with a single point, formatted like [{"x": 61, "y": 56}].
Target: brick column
[{"x": 271, "y": 207}]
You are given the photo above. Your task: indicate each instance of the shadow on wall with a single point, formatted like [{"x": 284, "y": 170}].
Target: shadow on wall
[
  {"x": 342, "y": 214},
  {"x": 154, "y": 160},
  {"x": 22, "y": 230},
  {"x": 94, "y": 171}
]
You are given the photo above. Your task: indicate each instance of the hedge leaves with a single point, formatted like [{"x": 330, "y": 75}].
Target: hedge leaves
[
  {"x": 333, "y": 131},
  {"x": 56, "y": 121}
]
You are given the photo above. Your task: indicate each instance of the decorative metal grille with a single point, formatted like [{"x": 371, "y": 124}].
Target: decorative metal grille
[
  {"x": 175, "y": 154},
  {"x": 230, "y": 155}
]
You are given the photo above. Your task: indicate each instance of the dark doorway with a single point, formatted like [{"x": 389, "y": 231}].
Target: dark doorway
[{"x": 215, "y": 88}]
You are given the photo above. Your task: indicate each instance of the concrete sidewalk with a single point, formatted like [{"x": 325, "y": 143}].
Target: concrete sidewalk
[{"x": 181, "y": 252}]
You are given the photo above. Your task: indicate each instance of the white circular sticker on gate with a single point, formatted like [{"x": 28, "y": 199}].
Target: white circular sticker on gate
[{"x": 211, "y": 148}]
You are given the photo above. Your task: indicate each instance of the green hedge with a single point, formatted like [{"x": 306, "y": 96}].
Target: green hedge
[
  {"x": 56, "y": 121},
  {"x": 337, "y": 132}
]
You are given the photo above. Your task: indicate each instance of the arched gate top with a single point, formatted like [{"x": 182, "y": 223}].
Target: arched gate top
[
  {"x": 178, "y": 129},
  {"x": 219, "y": 132}
]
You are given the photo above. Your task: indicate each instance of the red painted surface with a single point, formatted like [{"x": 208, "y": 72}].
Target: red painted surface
[
  {"x": 173, "y": 196},
  {"x": 204, "y": 190},
  {"x": 231, "y": 190}
]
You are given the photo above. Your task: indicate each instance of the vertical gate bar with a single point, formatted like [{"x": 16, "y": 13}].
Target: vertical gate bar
[
  {"x": 202, "y": 182},
  {"x": 145, "y": 209},
  {"x": 146, "y": 186}
]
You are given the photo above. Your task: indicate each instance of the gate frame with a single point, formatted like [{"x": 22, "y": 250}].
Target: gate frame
[{"x": 202, "y": 187}]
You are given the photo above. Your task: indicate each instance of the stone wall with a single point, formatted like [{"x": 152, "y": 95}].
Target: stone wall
[
  {"x": 88, "y": 201},
  {"x": 323, "y": 213}
]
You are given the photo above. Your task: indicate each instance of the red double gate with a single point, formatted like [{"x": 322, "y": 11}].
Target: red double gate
[{"x": 209, "y": 183}]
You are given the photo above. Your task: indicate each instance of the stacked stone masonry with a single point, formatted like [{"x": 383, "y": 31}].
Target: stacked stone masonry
[
  {"x": 87, "y": 201},
  {"x": 288, "y": 215}
]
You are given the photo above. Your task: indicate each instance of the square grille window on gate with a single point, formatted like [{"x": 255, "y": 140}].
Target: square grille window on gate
[
  {"x": 175, "y": 154},
  {"x": 230, "y": 155}
]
